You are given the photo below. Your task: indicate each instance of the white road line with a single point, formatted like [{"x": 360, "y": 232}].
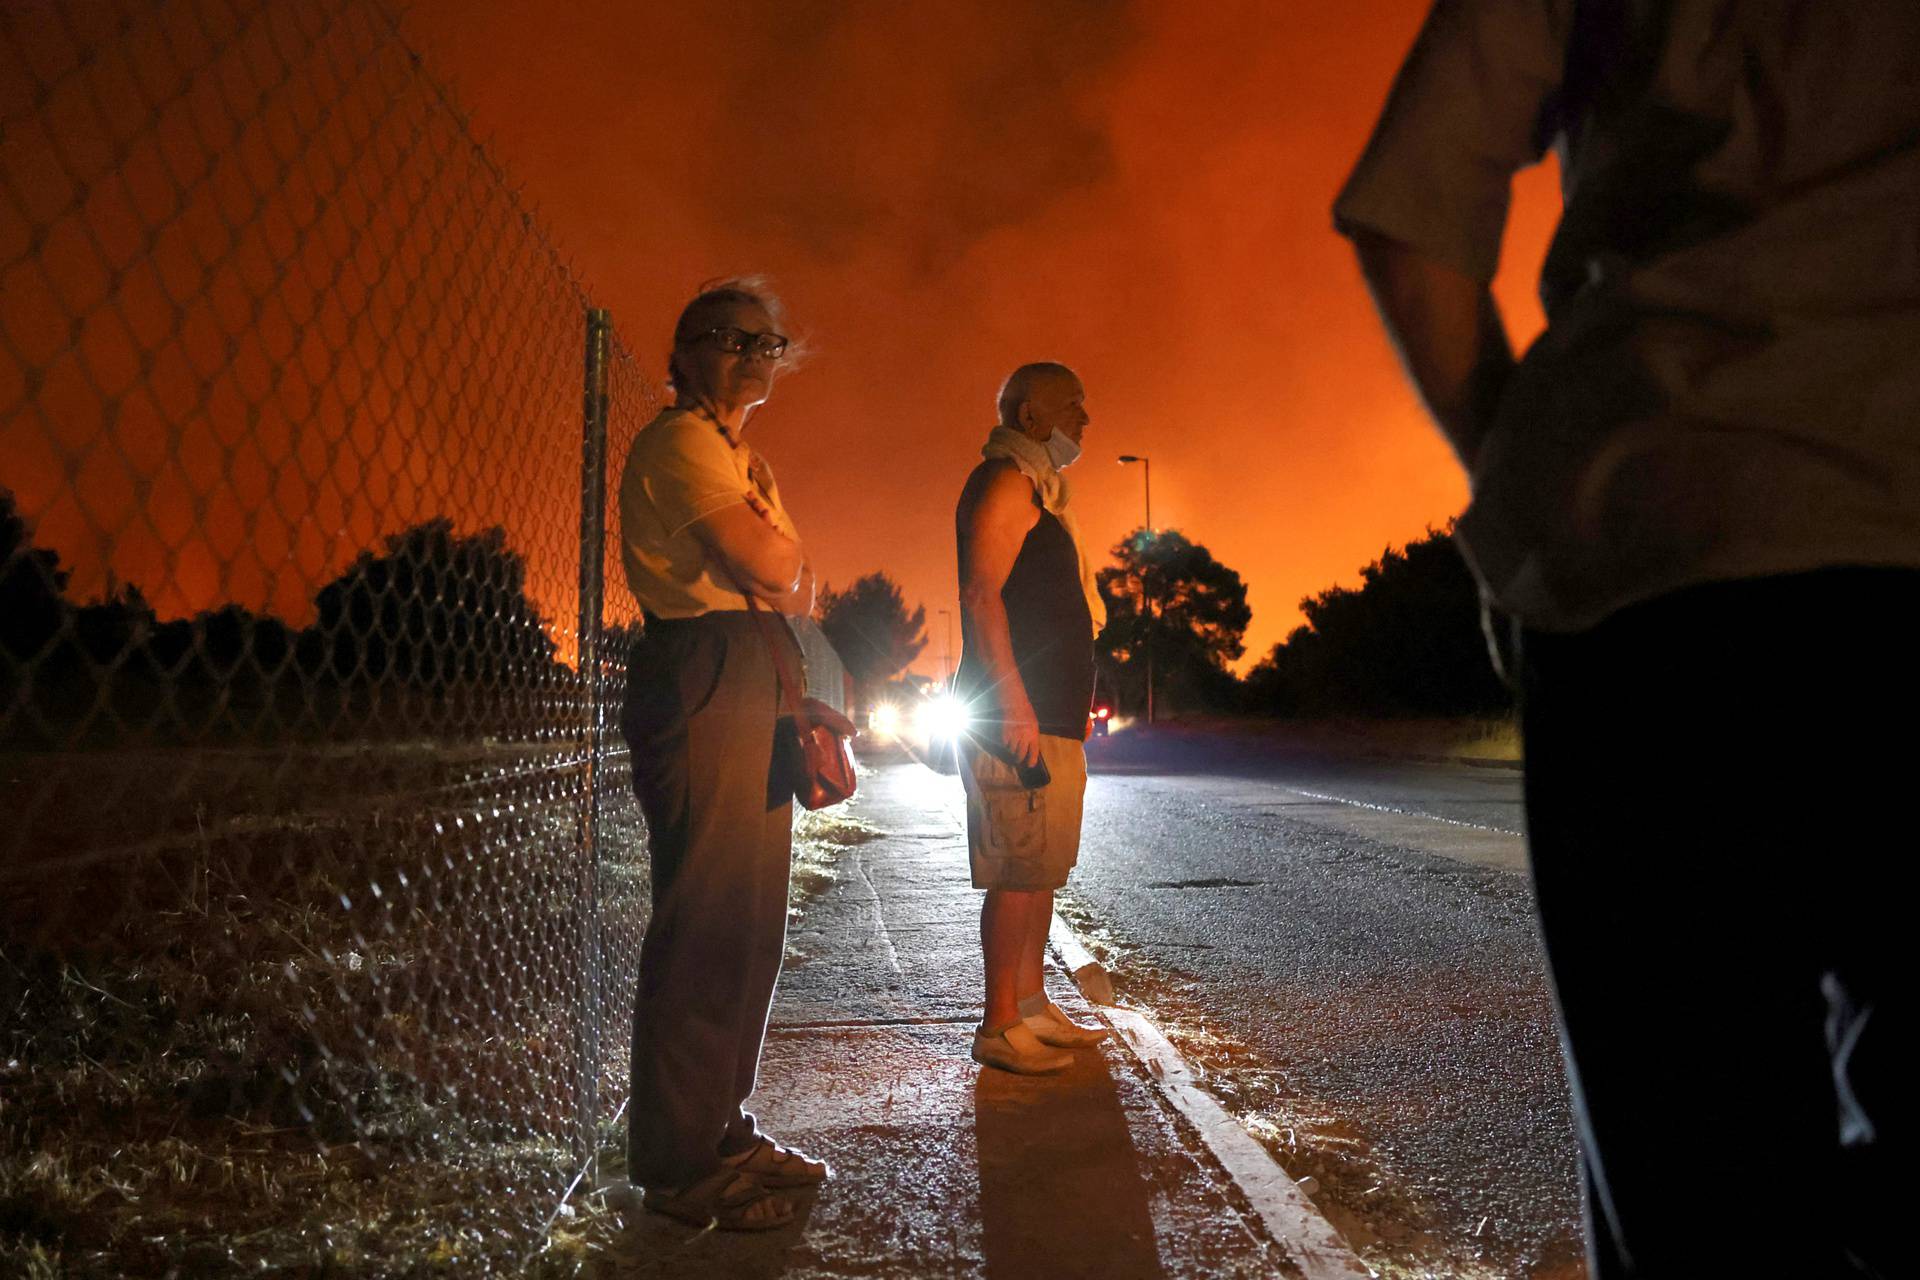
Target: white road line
[
  {"x": 1294, "y": 1221},
  {"x": 1405, "y": 813}
]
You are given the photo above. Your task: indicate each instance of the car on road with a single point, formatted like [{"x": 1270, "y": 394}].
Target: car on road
[{"x": 925, "y": 719}]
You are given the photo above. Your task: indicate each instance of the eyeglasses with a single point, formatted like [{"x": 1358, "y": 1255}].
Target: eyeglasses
[{"x": 738, "y": 342}]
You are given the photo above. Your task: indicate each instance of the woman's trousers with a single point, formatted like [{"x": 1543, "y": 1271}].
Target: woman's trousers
[{"x": 702, "y": 700}]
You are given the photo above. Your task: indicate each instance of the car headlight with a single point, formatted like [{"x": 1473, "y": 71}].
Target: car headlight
[
  {"x": 942, "y": 717},
  {"x": 884, "y": 720}
]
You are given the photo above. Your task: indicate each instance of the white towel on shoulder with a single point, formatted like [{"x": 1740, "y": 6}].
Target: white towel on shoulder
[{"x": 1034, "y": 463}]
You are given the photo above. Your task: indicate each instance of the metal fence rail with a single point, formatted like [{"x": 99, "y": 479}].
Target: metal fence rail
[{"x": 321, "y": 883}]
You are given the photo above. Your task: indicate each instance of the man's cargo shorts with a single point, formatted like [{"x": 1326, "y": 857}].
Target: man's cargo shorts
[{"x": 1021, "y": 839}]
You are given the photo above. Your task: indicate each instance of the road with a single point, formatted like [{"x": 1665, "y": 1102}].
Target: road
[{"x": 1347, "y": 947}]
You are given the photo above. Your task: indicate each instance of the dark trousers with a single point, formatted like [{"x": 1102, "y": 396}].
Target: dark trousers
[
  {"x": 699, "y": 716},
  {"x": 1718, "y": 789}
]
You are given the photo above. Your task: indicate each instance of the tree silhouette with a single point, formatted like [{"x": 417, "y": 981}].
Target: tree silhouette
[
  {"x": 32, "y": 611},
  {"x": 1407, "y": 641},
  {"x": 1194, "y": 609},
  {"x": 434, "y": 609},
  {"x": 431, "y": 611},
  {"x": 871, "y": 629}
]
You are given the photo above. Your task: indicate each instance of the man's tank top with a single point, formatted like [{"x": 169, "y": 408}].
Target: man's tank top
[{"x": 1052, "y": 633}]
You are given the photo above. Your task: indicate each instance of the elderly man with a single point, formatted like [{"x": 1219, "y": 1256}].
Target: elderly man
[
  {"x": 1028, "y": 615},
  {"x": 1699, "y": 494}
]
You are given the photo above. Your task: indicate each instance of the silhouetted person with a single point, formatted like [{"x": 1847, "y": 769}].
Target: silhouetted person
[
  {"x": 701, "y": 523},
  {"x": 1699, "y": 495},
  {"x": 1028, "y": 614}
]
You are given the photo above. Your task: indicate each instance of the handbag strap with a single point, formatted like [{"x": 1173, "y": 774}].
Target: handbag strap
[{"x": 790, "y": 687}]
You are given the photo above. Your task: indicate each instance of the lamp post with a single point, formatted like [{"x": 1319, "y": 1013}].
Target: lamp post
[
  {"x": 1146, "y": 468},
  {"x": 946, "y": 648},
  {"x": 1146, "y": 471}
]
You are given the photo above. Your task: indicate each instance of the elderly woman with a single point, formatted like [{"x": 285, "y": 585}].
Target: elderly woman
[{"x": 702, "y": 530}]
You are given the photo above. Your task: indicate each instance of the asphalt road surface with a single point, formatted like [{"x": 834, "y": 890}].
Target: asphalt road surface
[{"x": 1347, "y": 948}]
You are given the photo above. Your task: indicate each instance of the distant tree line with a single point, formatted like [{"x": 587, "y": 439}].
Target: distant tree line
[
  {"x": 1407, "y": 641},
  {"x": 434, "y": 630}
]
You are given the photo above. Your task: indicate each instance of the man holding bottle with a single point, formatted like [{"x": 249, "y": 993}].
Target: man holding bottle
[{"x": 1028, "y": 613}]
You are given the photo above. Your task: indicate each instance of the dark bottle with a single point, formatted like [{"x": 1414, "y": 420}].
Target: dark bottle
[{"x": 1032, "y": 776}]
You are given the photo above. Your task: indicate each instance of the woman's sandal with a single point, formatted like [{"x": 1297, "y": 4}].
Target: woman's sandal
[
  {"x": 729, "y": 1200},
  {"x": 773, "y": 1165}
]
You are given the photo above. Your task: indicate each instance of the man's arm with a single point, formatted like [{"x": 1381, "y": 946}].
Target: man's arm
[
  {"x": 1426, "y": 206},
  {"x": 992, "y": 529},
  {"x": 1449, "y": 334},
  {"x": 763, "y": 560}
]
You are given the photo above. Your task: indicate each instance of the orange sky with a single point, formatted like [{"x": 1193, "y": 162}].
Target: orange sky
[{"x": 943, "y": 191}]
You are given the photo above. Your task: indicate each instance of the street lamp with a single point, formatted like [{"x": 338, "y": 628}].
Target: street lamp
[
  {"x": 946, "y": 648},
  {"x": 1147, "y": 470},
  {"x": 1153, "y": 615}
]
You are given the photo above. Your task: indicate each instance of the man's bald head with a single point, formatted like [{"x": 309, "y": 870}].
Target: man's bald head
[
  {"x": 1040, "y": 399},
  {"x": 1023, "y": 382}
]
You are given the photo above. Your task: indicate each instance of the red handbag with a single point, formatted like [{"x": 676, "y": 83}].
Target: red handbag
[{"x": 811, "y": 739}]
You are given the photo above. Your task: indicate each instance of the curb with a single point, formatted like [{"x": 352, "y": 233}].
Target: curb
[{"x": 1290, "y": 1217}]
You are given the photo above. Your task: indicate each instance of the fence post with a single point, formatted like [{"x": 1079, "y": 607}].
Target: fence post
[{"x": 593, "y": 555}]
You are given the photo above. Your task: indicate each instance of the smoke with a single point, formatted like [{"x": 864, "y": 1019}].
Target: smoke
[
  {"x": 903, "y": 131},
  {"x": 945, "y": 191}
]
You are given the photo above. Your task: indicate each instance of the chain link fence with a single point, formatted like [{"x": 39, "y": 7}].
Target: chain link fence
[{"x": 321, "y": 882}]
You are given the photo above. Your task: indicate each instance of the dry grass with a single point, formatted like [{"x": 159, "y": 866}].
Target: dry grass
[
  {"x": 1479, "y": 739},
  {"x": 337, "y": 1039},
  {"x": 341, "y": 1040},
  {"x": 818, "y": 838}
]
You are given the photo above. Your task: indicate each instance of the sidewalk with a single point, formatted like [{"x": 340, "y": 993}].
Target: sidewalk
[{"x": 941, "y": 1168}]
